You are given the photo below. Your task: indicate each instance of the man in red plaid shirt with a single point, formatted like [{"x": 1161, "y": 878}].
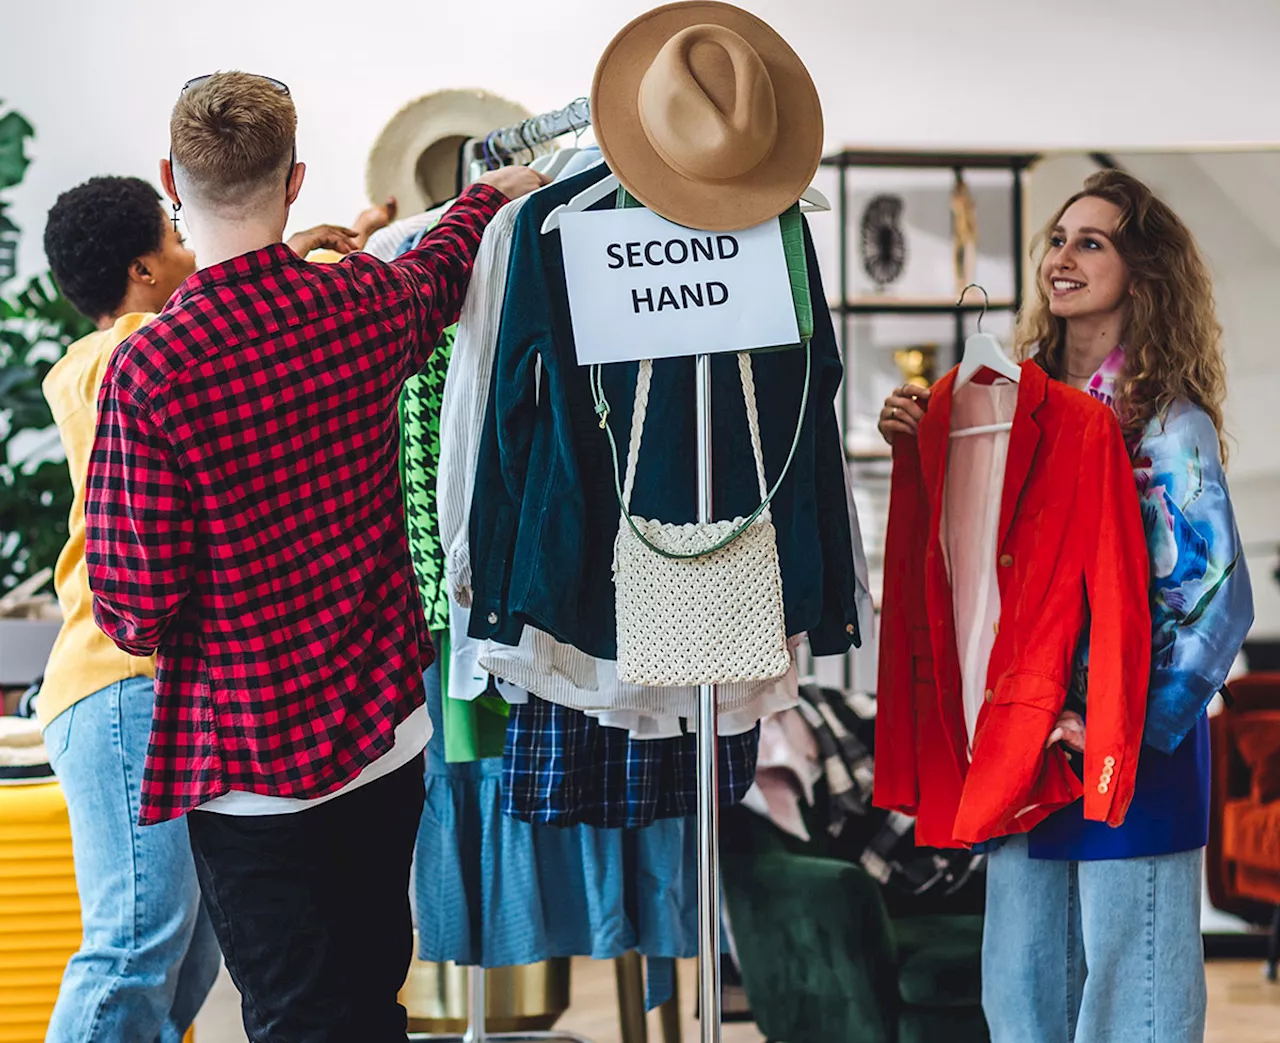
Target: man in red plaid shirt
[{"x": 245, "y": 524}]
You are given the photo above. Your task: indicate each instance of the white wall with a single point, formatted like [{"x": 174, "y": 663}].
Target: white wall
[
  {"x": 1229, "y": 202},
  {"x": 98, "y": 78}
]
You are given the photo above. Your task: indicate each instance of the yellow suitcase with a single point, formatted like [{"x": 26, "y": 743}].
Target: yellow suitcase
[{"x": 39, "y": 907}]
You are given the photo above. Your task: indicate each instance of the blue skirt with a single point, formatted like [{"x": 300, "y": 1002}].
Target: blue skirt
[{"x": 493, "y": 891}]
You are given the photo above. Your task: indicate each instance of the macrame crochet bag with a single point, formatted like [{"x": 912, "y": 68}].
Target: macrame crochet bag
[{"x": 698, "y": 603}]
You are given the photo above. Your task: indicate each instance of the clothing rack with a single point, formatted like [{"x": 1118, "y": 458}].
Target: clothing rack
[
  {"x": 573, "y": 118},
  {"x": 494, "y": 150},
  {"x": 508, "y": 143},
  {"x": 500, "y": 145}
]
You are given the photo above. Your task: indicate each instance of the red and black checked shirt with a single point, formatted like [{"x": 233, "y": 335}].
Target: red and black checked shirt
[{"x": 244, "y": 514}]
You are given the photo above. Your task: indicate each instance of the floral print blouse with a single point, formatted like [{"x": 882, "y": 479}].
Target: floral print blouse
[{"x": 1201, "y": 598}]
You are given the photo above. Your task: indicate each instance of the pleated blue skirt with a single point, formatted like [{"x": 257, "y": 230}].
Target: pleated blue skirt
[{"x": 493, "y": 891}]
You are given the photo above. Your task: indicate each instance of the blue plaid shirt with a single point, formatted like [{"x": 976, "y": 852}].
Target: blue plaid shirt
[{"x": 563, "y": 768}]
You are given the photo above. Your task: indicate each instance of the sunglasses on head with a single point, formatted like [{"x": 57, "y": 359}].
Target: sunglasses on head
[
  {"x": 196, "y": 81},
  {"x": 283, "y": 88}
]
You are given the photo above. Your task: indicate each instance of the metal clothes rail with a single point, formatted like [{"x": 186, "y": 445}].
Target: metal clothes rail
[{"x": 493, "y": 150}]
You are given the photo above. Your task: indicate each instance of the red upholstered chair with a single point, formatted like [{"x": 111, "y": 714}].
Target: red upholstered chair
[{"x": 1244, "y": 830}]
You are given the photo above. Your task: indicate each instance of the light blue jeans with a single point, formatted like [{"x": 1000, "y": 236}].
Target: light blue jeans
[
  {"x": 149, "y": 956},
  {"x": 1093, "y": 952}
]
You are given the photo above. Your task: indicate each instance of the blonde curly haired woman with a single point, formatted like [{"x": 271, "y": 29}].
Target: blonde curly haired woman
[{"x": 1093, "y": 933}]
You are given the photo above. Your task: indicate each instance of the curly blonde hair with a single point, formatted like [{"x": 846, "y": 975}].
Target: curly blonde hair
[{"x": 1173, "y": 341}]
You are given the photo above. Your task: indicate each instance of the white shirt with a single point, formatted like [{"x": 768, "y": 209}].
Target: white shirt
[{"x": 412, "y": 735}]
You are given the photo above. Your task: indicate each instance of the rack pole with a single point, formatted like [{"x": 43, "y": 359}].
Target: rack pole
[
  {"x": 477, "y": 1027},
  {"x": 477, "y": 1007},
  {"x": 708, "y": 788}
]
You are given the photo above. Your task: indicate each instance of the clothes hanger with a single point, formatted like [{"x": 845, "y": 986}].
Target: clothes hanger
[
  {"x": 583, "y": 200},
  {"x": 983, "y": 351},
  {"x": 814, "y": 199},
  {"x": 493, "y": 158},
  {"x": 481, "y": 160},
  {"x": 536, "y": 162},
  {"x": 523, "y": 131},
  {"x": 560, "y": 160},
  {"x": 470, "y": 166}
]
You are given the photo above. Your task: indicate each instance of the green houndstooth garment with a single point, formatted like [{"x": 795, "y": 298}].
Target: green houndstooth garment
[{"x": 419, "y": 465}]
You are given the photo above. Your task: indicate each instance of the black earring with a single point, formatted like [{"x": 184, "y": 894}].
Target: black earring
[{"x": 176, "y": 208}]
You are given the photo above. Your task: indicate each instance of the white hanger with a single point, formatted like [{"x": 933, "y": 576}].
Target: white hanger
[
  {"x": 812, "y": 200},
  {"x": 559, "y": 159},
  {"x": 983, "y": 351},
  {"x": 587, "y": 197}
]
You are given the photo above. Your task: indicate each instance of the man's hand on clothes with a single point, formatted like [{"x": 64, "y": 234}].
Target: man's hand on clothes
[
  {"x": 324, "y": 237},
  {"x": 514, "y": 182},
  {"x": 1069, "y": 731},
  {"x": 373, "y": 219}
]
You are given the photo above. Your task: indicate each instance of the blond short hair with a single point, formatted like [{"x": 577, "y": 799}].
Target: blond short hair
[{"x": 231, "y": 135}]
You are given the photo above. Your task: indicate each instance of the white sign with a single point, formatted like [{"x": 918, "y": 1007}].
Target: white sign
[{"x": 641, "y": 287}]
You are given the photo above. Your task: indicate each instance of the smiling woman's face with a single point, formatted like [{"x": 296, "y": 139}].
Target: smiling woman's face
[{"x": 1083, "y": 274}]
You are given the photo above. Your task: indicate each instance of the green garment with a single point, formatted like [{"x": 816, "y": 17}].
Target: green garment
[
  {"x": 472, "y": 730},
  {"x": 419, "y": 464}
]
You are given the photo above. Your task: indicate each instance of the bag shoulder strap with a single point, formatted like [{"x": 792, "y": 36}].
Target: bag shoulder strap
[
  {"x": 643, "y": 383},
  {"x": 644, "y": 380}
]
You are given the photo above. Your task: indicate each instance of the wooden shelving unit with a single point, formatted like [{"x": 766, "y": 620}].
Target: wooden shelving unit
[{"x": 844, "y": 308}]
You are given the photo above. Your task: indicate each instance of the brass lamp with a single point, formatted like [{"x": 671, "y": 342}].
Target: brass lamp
[
  {"x": 530, "y": 998},
  {"x": 917, "y": 363}
]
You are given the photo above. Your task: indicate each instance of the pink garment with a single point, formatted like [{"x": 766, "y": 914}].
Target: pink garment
[
  {"x": 970, "y": 528},
  {"x": 787, "y": 767}
]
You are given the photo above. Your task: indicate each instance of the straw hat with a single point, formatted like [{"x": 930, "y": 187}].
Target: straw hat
[
  {"x": 707, "y": 116},
  {"x": 23, "y": 757},
  {"x": 415, "y": 158}
]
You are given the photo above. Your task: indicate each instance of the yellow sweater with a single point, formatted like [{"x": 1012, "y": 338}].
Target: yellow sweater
[{"x": 83, "y": 659}]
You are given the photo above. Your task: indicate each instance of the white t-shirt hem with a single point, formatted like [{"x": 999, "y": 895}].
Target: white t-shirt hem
[{"x": 412, "y": 735}]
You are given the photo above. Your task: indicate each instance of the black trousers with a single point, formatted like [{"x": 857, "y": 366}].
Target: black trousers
[{"x": 312, "y": 911}]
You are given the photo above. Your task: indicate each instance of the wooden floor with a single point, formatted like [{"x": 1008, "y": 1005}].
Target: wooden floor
[{"x": 1243, "y": 1008}]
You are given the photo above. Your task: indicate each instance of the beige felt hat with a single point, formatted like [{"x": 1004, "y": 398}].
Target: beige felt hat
[
  {"x": 415, "y": 158},
  {"x": 707, "y": 116}
]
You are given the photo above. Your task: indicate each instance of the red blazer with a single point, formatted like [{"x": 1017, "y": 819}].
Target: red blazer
[{"x": 1071, "y": 553}]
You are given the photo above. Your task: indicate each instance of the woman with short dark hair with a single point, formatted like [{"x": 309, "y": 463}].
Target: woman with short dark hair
[{"x": 149, "y": 956}]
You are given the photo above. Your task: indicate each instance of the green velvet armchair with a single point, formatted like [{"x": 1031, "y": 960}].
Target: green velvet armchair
[{"x": 828, "y": 956}]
